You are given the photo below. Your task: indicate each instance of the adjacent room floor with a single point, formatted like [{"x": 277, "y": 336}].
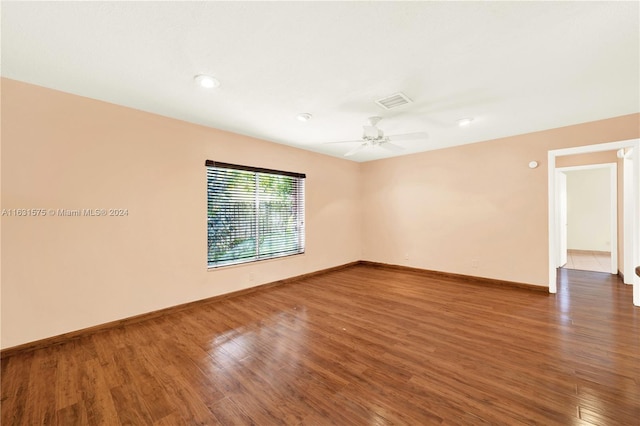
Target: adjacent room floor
[
  {"x": 587, "y": 260},
  {"x": 358, "y": 346}
]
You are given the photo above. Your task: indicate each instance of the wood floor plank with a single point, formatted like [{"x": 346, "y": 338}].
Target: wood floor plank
[
  {"x": 227, "y": 412},
  {"x": 15, "y": 388},
  {"x": 67, "y": 381},
  {"x": 41, "y": 405},
  {"x": 72, "y": 415},
  {"x": 97, "y": 398},
  {"x": 362, "y": 345}
]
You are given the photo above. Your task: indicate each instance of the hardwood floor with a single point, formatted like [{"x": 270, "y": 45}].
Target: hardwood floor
[{"x": 359, "y": 346}]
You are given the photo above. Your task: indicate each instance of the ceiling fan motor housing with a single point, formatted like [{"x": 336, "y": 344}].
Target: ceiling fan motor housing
[{"x": 371, "y": 133}]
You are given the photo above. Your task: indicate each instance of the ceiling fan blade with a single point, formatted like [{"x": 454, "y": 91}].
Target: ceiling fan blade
[
  {"x": 356, "y": 141},
  {"x": 408, "y": 136},
  {"x": 356, "y": 149},
  {"x": 392, "y": 147}
]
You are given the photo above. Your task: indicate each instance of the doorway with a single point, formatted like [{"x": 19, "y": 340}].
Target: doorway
[
  {"x": 587, "y": 217},
  {"x": 631, "y": 202}
]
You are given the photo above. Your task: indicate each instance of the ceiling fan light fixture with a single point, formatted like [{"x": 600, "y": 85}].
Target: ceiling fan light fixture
[
  {"x": 206, "y": 81},
  {"x": 465, "y": 122},
  {"x": 304, "y": 116}
]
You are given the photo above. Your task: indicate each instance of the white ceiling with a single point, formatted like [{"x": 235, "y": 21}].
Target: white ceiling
[{"x": 516, "y": 67}]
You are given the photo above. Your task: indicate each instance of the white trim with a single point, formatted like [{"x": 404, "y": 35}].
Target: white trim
[
  {"x": 627, "y": 207},
  {"x": 586, "y": 167},
  {"x": 635, "y": 212},
  {"x": 551, "y": 192},
  {"x": 632, "y": 228},
  {"x": 561, "y": 258},
  {"x": 613, "y": 170},
  {"x": 609, "y": 146}
]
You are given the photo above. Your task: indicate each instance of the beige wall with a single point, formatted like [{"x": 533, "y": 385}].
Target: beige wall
[
  {"x": 589, "y": 209},
  {"x": 61, "y": 274},
  {"x": 474, "y": 209}
]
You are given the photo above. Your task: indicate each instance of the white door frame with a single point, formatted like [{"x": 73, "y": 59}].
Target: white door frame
[
  {"x": 561, "y": 217},
  {"x": 613, "y": 206},
  {"x": 631, "y": 228},
  {"x": 629, "y": 267}
]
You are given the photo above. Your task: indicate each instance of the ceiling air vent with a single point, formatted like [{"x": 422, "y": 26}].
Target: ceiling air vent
[{"x": 394, "y": 101}]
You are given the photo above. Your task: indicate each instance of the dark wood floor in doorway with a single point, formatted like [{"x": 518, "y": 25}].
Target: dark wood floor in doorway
[{"x": 360, "y": 346}]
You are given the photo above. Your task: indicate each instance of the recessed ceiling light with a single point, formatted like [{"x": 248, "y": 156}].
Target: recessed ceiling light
[
  {"x": 206, "y": 81},
  {"x": 464, "y": 122},
  {"x": 304, "y": 116}
]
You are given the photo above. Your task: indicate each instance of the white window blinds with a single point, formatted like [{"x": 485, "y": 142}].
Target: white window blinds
[{"x": 253, "y": 213}]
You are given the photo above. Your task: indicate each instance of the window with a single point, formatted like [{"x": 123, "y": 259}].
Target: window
[{"x": 253, "y": 214}]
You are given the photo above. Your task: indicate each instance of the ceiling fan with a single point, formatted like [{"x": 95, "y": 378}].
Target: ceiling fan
[{"x": 372, "y": 136}]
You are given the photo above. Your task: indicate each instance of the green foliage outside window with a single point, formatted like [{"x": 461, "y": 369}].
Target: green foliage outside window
[{"x": 253, "y": 216}]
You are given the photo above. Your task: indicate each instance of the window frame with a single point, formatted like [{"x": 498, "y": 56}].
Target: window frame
[{"x": 298, "y": 210}]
